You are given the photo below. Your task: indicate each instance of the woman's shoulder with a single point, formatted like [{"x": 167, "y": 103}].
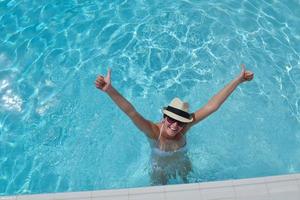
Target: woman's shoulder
[{"x": 155, "y": 130}]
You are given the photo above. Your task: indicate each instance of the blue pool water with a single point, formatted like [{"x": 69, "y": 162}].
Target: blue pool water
[{"x": 58, "y": 133}]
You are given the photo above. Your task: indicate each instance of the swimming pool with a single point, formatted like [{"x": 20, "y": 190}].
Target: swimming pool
[{"x": 58, "y": 133}]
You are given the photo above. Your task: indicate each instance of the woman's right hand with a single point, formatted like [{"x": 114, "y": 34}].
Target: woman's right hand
[{"x": 104, "y": 83}]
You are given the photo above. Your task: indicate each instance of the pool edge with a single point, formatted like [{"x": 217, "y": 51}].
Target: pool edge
[{"x": 269, "y": 188}]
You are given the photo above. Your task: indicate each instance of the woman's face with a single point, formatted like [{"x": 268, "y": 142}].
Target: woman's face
[{"x": 172, "y": 127}]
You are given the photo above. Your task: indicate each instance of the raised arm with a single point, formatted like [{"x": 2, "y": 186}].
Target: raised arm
[
  {"x": 216, "y": 101},
  {"x": 104, "y": 84}
]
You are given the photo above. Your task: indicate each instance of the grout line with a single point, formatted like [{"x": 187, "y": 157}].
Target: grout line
[
  {"x": 268, "y": 190},
  {"x": 165, "y": 196},
  {"x": 201, "y": 194},
  {"x": 281, "y": 181},
  {"x": 164, "y": 193},
  {"x": 234, "y": 191}
]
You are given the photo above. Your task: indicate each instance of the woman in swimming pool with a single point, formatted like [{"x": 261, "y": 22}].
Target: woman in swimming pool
[{"x": 169, "y": 134}]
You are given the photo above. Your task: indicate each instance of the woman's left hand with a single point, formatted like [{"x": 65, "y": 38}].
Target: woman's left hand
[{"x": 245, "y": 75}]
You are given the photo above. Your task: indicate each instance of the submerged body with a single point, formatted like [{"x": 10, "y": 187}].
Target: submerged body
[
  {"x": 169, "y": 165},
  {"x": 169, "y": 160},
  {"x": 168, "y": 137}
]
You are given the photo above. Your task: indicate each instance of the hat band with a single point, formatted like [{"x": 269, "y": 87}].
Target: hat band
[{"x": 178, "y": 112}]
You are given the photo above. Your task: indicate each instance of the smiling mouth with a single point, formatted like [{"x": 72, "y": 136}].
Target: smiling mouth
[{"x": 173, "y": 129}]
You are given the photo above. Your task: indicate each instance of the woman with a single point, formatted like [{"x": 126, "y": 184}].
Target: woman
[{"x": 169, "y": 155}]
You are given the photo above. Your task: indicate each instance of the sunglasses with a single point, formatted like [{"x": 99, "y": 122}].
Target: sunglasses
[{"x": 171, "y": 121}]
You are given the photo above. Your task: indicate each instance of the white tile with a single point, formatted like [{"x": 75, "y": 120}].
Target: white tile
[
  {"x": 8, "y": 198},
  {"x": 280, "y": 178},
  {"x": 254, "y": 190},
  {"x": 287, "y": 190},
  {"x": 218, "y": 193},
  {"x": 106, "y": 193},
  {"x": 142, "y": 190},
  {"x": 297, "y": 176},
  {"x": 226, "y": 199},
  {"x": 285, "y": 196},
  {"x": 110, "y": 198},
  {"x": 185, "y": 194},
  {"x": 216, "y": 184},
  {"x": 147, "y": 196},
  {"x": 255, "y": 198},
  {"x": 35, "y": 197},
  {"x": 71, "y": 195},
  {"x": 283, "y": 186},
  {"x": 248, "y": 181},
  {"x": 180, "y": 187}
]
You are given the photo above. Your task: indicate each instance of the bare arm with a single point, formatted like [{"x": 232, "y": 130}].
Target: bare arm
[
  {"x": 104, "y": 84},
  {"x": 216, "y": 101}
]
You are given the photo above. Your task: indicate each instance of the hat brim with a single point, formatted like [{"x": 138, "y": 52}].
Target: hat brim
[{"x": 177, "y": 117}]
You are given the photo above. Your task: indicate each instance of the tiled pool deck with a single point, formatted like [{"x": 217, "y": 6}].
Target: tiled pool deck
[{"x": 285, "y": 187}]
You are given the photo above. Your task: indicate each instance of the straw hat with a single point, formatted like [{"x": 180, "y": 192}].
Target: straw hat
[{"x": 178, "y": 110}]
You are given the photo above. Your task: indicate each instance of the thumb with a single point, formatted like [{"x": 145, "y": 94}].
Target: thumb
[
  {"x": 243, "y": 67},
  {"x": 243, "y": 70},
  {"x": 107, "y": 78}
]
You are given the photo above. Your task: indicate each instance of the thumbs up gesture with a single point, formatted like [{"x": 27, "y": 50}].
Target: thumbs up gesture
[
  {"x": 104, "y": 83},
  {"x": 245, "y": 75}
]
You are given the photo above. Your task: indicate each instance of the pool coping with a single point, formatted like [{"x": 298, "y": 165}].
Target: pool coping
[{"x": 262, "y": 188}]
